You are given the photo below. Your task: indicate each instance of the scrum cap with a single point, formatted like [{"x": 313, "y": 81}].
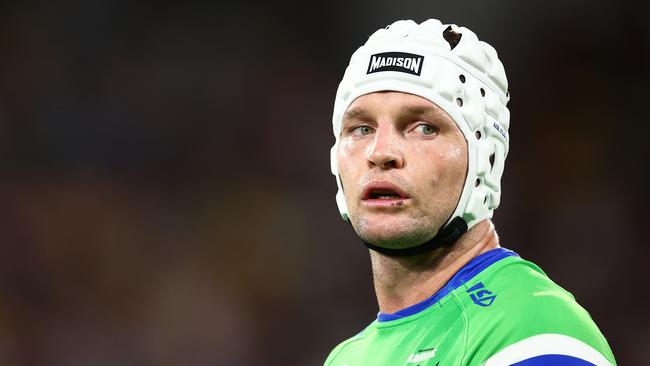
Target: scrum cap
[{"x": 452, "y": 68}]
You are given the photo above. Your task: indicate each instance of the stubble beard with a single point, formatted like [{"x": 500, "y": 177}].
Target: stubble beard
[{"x": 396, "y": 234}]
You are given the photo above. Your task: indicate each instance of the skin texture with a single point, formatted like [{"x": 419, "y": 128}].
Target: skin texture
[{"x": 410, "y": 143}]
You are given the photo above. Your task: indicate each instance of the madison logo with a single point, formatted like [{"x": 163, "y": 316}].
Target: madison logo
[{"x": 396, "y": 61}]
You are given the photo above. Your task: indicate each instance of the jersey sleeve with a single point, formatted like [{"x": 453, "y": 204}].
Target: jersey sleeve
[
  {"x": 333, "y": 357},
  {"x": 548, "y": 349},
  {"x": 532, "y": 321}
]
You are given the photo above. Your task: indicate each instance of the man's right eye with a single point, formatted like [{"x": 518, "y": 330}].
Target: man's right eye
[{"x": 363, "y": 130}]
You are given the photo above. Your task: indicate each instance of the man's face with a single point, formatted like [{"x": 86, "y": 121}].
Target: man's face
[{"x": 403, "y": 163}]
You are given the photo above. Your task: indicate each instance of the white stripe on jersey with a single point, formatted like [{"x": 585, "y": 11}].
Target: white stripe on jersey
[{"x": 546, "y": 344}]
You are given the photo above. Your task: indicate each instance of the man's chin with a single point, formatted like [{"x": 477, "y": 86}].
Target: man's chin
[
  {"x": 391, "y": 236},
  {"x": 393, "y": 230}
]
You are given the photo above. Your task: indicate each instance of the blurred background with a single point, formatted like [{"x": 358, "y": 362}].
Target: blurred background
[{"x": 165, "y": 195}]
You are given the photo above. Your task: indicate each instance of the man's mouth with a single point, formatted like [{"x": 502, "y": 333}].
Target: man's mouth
[{"x": 383, "y": 194}]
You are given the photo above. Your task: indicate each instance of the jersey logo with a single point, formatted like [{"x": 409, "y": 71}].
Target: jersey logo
[
  {"x": 422, "y": 355},
  {"x": 396, "y": 61},
  {"x": 480, "y": 295}
]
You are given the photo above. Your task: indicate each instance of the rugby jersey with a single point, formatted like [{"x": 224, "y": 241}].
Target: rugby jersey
[{"x": 499, "y": 309}]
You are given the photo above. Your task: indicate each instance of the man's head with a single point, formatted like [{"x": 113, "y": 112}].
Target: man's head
[{"x": 421, "y": 117}]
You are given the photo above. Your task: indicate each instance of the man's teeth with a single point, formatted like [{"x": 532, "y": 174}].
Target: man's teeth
[{"x": 386, "y": 196}]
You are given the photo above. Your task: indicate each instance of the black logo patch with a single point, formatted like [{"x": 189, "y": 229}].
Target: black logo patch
[{"x": 396, "y": 61}]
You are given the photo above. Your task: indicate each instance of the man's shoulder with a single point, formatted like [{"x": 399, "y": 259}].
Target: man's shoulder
[
  {"x": 514, "y": 290},
  {"x": 522, "y": 293},
  {"x": 346, "y": 343},
  {"x": 515, "y": 302},
  {"x": 518, "y": 283}
]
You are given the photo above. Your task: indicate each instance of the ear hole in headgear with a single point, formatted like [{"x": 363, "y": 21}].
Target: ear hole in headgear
[
  {"x": 478, "y": 135},
  {"x": 459, "y": 102},
  {"x": 482, "y": 92},
  {"x": 477, "y": 182},
  {"x": 462, "y": 78},
  {"x": 451, "y": 36}
]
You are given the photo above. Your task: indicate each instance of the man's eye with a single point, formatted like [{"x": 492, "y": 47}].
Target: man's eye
[
  {"x": 363, "y": 130},
  {"x": 426, "y": 129}
]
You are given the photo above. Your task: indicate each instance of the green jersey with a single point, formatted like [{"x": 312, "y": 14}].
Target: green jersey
[{"x": 497, "y": 310}]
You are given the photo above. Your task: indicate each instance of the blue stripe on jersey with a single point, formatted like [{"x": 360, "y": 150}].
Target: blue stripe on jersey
[
  {"x": 554, "y": 360},
  {"x": 469, "y": 270}
]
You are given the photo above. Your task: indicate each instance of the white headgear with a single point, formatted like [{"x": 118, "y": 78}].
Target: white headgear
[{"x": 449, "y": 66}]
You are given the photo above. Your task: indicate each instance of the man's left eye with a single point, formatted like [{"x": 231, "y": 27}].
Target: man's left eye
[{"x": 425, "y": 129}]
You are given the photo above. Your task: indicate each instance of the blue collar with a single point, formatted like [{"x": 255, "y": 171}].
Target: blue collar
[{"x": 469, "y": 270}]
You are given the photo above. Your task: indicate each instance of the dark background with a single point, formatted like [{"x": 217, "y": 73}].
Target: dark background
[{"x": 165, "y": 195}]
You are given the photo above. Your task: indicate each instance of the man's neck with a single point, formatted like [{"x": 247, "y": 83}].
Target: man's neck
[{"x": 404, "y": 281}]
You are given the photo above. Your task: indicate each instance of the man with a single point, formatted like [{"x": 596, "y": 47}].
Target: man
[{"x": 421, "y": 125}]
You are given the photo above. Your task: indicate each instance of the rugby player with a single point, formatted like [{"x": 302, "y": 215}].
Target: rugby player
[{"x": 421, "y": 128}]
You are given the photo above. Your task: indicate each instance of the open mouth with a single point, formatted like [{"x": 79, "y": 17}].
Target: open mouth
[{"x": 381, "y": 193}]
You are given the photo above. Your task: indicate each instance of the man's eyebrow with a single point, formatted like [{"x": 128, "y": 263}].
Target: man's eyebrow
[
  {"x": 355, "y": 113},
  {"x": 420, "y": 109}
]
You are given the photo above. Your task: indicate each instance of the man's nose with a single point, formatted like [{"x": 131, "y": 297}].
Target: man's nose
[{"x": 385, "y": 151}]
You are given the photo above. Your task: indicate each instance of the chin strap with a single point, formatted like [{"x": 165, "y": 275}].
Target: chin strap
[{"x": 444, "y": 238}]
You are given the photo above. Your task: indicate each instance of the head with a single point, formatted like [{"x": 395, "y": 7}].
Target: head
[{"x": 420, "y": 121}]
